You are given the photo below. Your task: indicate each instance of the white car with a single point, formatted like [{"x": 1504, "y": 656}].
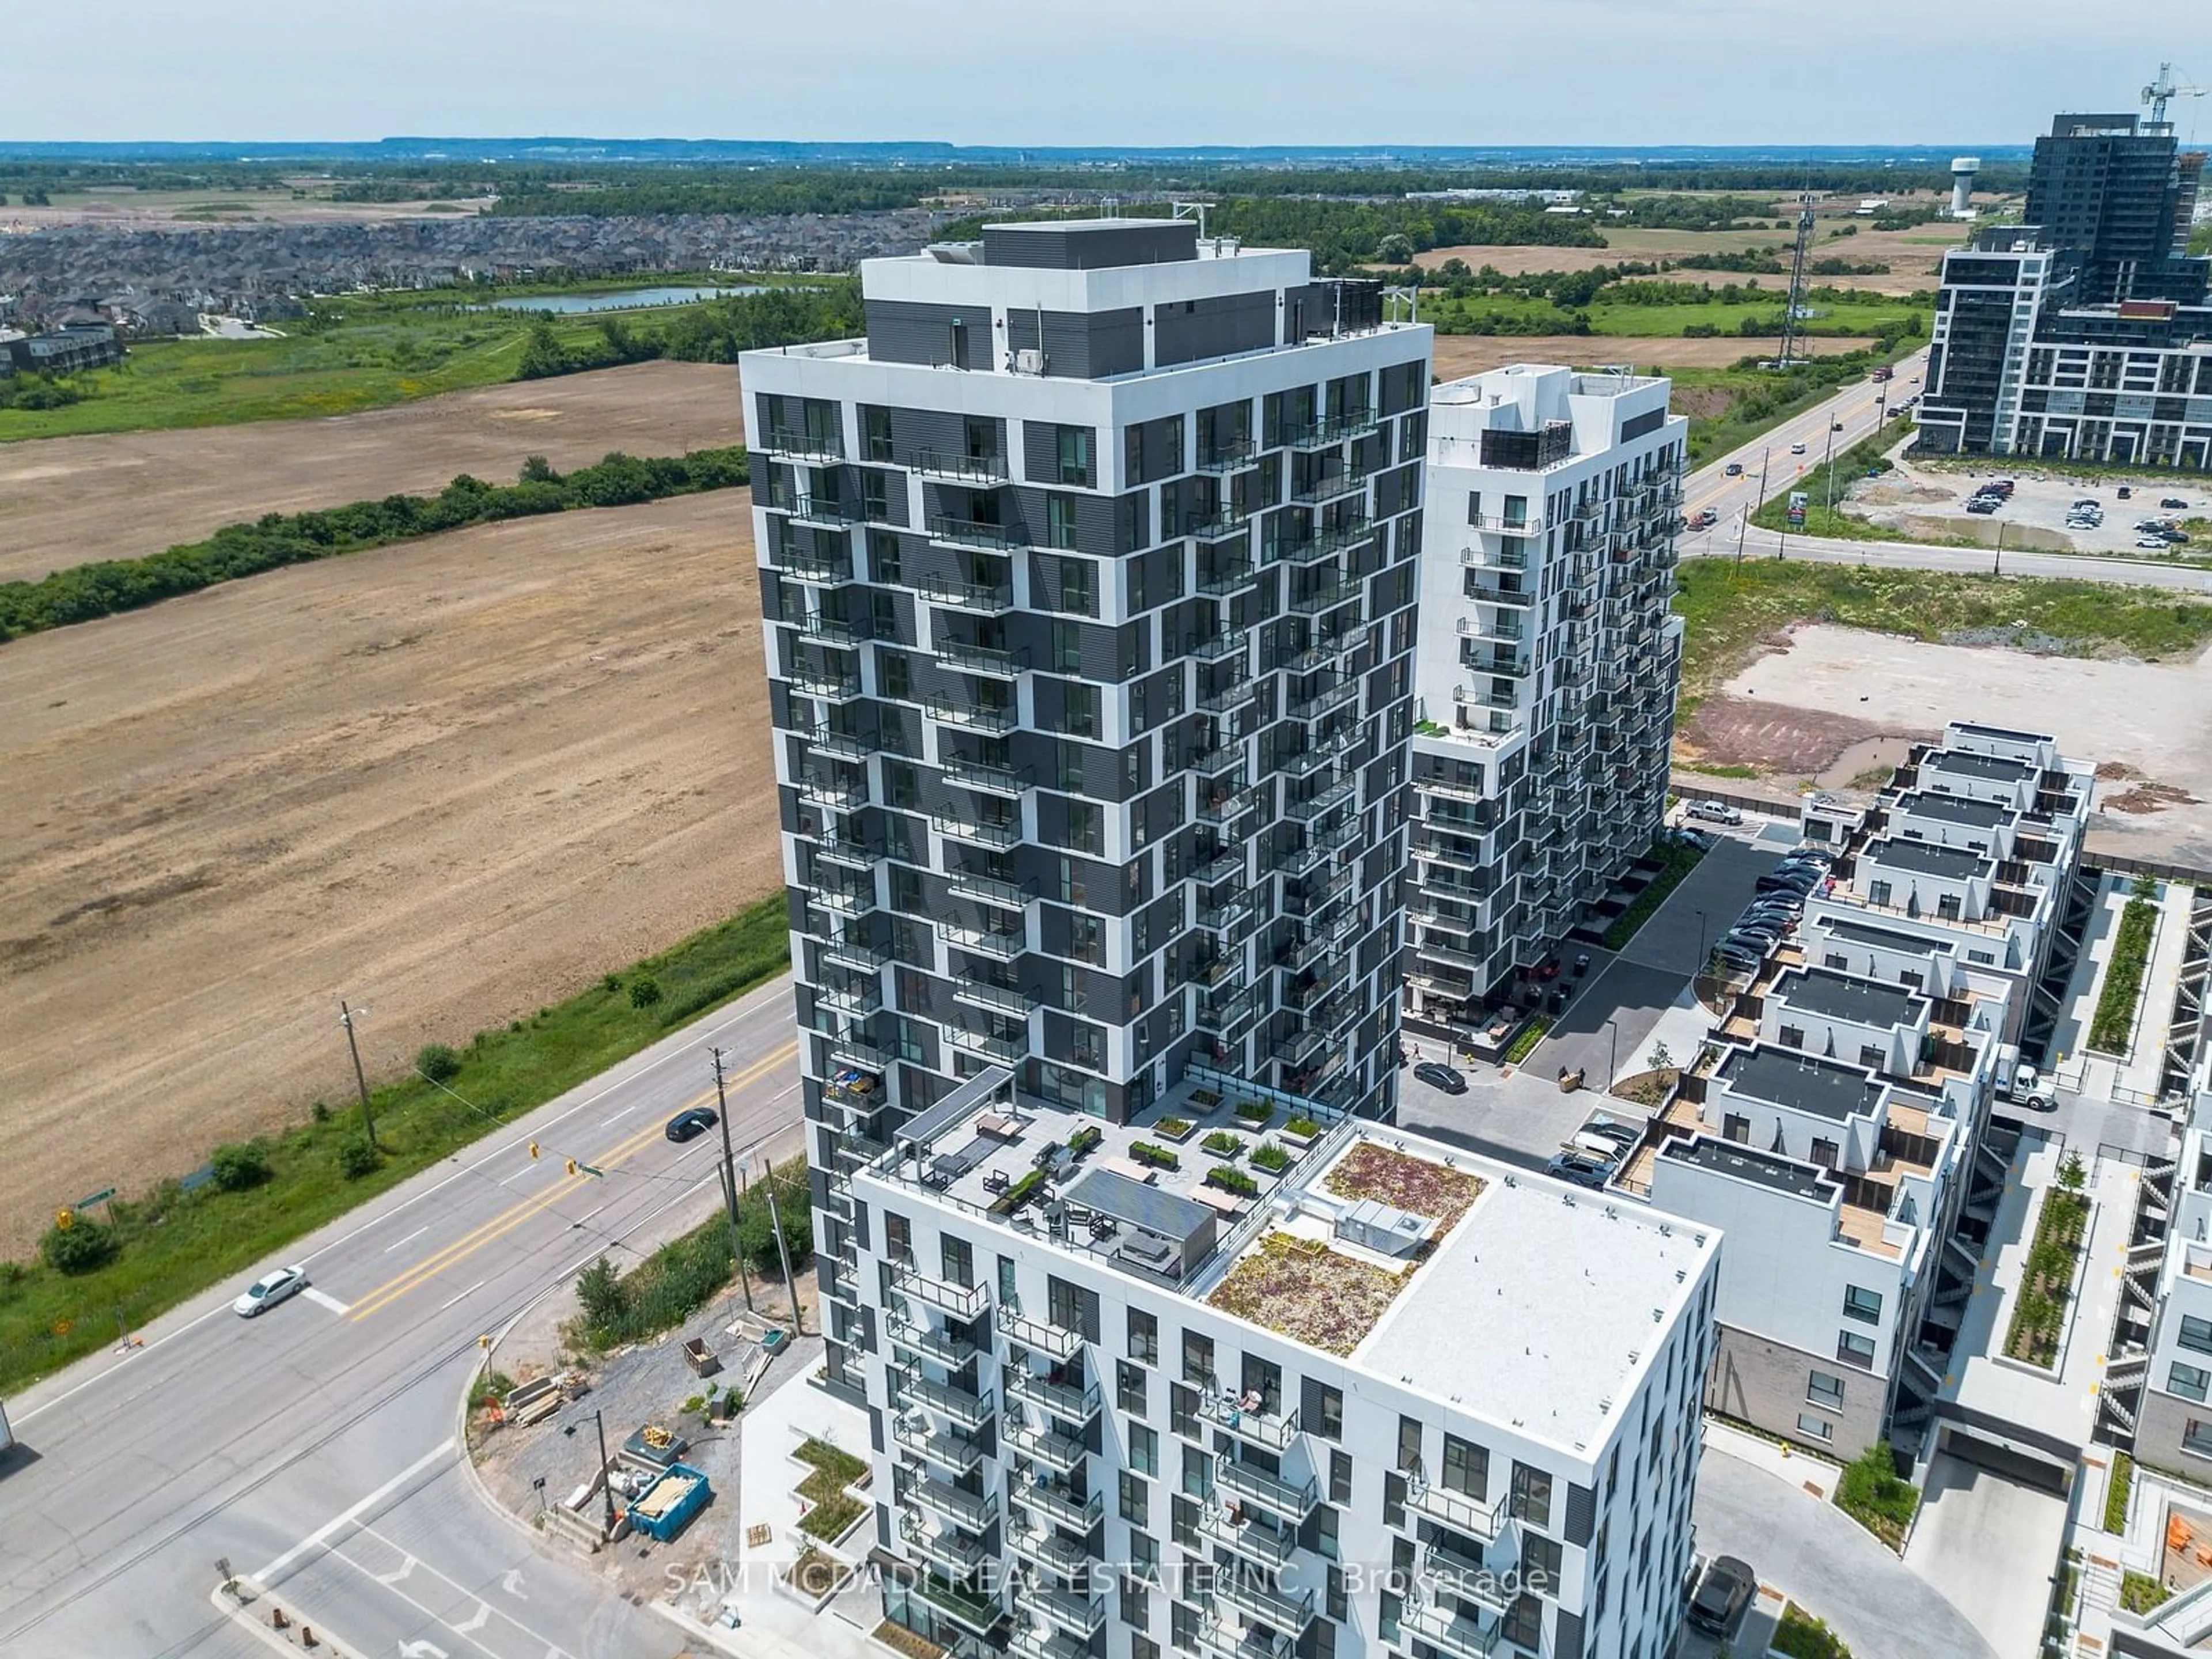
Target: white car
[
  {"x": 1796, "y": 449},
  {"x": 269, "y": 1290},
  {"x": 2151, "y": 543}
]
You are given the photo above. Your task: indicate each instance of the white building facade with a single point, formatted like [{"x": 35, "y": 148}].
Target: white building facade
[{"x": 1546, "y": 672}]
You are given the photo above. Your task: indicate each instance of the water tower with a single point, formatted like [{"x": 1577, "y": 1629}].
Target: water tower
[{"x": 1963, "y": 169}]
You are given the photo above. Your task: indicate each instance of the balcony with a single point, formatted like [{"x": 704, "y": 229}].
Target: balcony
[
  {"x": 852, "y": 953},
  {"x": 1057, "y": 1341},
  {"x": 1216, "y": 526},
  {"x": 977, "y": 599},
  {"x": 962, "y": 1302},
  {"x": 1220, "y": 866},
  {"x": 825, "y": 510},
  {"x": 1226, "y": 809},
  {"x": 1332, "y": 429},
  {"x": 1264, "y": 1545},
  {"x": 1466, "y": 1576},
  {"x": 1256, "y": 1599},
  {"x": 995, "y": 832},
  {"x": 977, "y": 533},
  {"x": 1329, "y": 487},
  {"x": 806, "y": 446},
  {"x": 1062, "y": 1453},
  {"x": 1442, "y": 1629},
  {"x": 840, "y": 745},
  {"x": 1217, "y": 1641},
  {"x": 820, "y": 683},
  {"x": 1222, "y": 918},
  {"x": 920, "y": 1338},
  {"x": 990, "y": 780},
  {"x": 986, "y": 1045},
  {"x": 977, "y": 1614},
  {"x": 1455, "y": 1510},
  {"x": 1324, "y": 599},
  {"x": 1232, "y": 457},
  {"x": 842, "y": 793},
  {"x": 814, "y": 569},
  {"x": 1215, "y": 646},
  {"x": 1335, "y": 795},
  {"x": 1228, "y": 576},
  {"x": 1032, "y": 1643},
  {"x": 1235, "y": 695},
  {"x": 847, "y": 854},
  {"x": 987, "y": 889},
  {"x": 1292, "y": 1501},
  {"x": 1509, "y": 628},
  {"x": 948, "y": 1550},
  {"x": 1000, "y": 943},
  {"x": 970, "y": 658},
  {"x": 1503, "y": 525},
  {"x": 1078, "y": 1515},
  {"x": 970, "y": 1509},
  {"x": 1079, "y": 1616},
  {"x": 832, "y": 630},
  {"x": 978, "y": 716},
  {"x": 1499, "y": 593},
  {"x": 977, "y": 472},
  {"x": 1046, "y": 1547},
  {"x": 1319, "y": 707},
  {"x": 1000, "y": 998},
  {"x": 853, "y": 1000},
  {"x": 849, "y": 899},
  {"x": 1063, "y": 1400},
  {"x": 1212, "y": 762}
]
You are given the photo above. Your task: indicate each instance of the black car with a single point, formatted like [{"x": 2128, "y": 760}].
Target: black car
[
  {"x": 1437, "y": 1075},
  {"x": 1785, "y": 881},
  {"x": 2174, "y": 502},
  {"x": 1722, "y": 1595},
  {"x": 685, "y": 1126}
]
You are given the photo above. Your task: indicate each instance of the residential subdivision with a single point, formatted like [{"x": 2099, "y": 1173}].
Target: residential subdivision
[
  {"x": 1089, "y": 579},
  {"x": 1836, "y": 1121},
  {"x": 1547, "y": 671},
  {"x": 1247, "y": 1378},
  {"x": 2085, "y": 332}
]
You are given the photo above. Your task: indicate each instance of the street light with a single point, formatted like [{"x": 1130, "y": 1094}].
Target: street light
[
  {"x": 1612, "y": 1054},
  {"x": 1700, "y": 968}
]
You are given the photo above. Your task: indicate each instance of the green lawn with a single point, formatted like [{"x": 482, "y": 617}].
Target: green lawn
[
  {"x": 175, "y": 1244},
  {"x": 1727, "y": 608}
]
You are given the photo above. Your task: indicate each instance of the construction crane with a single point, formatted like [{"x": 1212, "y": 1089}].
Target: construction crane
[{"x": 2163, "y": 90}]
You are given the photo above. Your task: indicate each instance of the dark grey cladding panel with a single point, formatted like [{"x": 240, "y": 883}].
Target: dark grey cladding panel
[
  {"x": 910, "y": 331},
  {"x": 1041, "y": 455},
  {"x": 1082, "y": 345},
  {"x": 932, "y": 431},
  {"x": 1094, "y": 519},
  {"x": 1090, "y": 245},
  {"x": 1184, "y": 330},
  {"x": 1397, "y": 490},
  {"x": 1159, "y": 446}
]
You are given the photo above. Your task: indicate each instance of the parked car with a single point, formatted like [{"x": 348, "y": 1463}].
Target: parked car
[
  {"x": 2125, "y": 492},
  {"x": 1437, "y": 1075},
  {"x": 1622, "y": 1135},
  {"x": 2151, "y": 543},
  {"x": 1712, "y": 811},
  {"x": 269, "y": 1290},
  {"x": 1580, "y": 1169},
  {"x": 1694, "y": 838},
  {"x": 684, "y": 1126},
  {"x": 2174, "y": 502},
  {"x": 1982, "y": 504},
  {"x": 1721, "y": 1595}
]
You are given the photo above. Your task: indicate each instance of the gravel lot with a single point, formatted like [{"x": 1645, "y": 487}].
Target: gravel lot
[
  {"x": 1922, "y": 501},
  {"x": 2150, "y": 722}
]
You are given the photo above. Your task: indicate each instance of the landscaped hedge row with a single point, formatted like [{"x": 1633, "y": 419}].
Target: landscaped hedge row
[
  {"x": 2115, "y": 1023},
  {"x": 103, "y": 588}
]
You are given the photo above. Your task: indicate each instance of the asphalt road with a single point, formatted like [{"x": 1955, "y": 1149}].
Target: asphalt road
[{"x": 314, "y": 1446}]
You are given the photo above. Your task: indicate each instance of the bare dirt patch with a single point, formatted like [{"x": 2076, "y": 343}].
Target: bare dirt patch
[
  {"x": 453, "y": 780},
  {"x": 1470, "y": 354},
  {"x": 120, "y": 495},
  {"x": 1777, "y": 738}
]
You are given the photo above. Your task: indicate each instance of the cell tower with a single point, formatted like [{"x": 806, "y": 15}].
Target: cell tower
[{"x": 1791, "y": 312}]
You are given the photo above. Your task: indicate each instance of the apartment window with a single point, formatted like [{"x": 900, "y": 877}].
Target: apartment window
[
  {"x": 1823, "y": 1153},
  {"x": 1532, "y": 1496},
  {"x": 1007, "y": 1292},
  {"x": 1334, "y": 1601},
  {"x": 1541, "y": 1559},
  {"x": 1063, "y": 1305},
  {"x": 1135, "y": 1600},
  {"x": 1394, "y": 1499},
  {"x": 891, "y": 677},
  {"x": 1183, "y": 1410},
  {"x": 1073, "y": 447},
  {"x": 1946, "y": 906},
  {"x": 1086, "y": 939},
  {"x": 1474, "y": 507},
  {"x": 883, "y": 557},
  {"x": 1393, "y": 1609},
  {"x": 1144, "y": 1337},
  {"x": 1144, "y": 1449},
  {"x": 1466, "y": 1467},
  {"x": 1197, "y": 1472},
  {"x": 1182, "y": 1523},
  {"x": 959, "y": 1260},
  {"x": 1184, "y": 1622},
  {"x": 1079, "y": 710},
  {"x": 1329, "y": 1423},
  {"x": 1135, "y": 1497},
  {"x": 1856, "y": 1350},
  {"x": 1871, "y": 1056},
  {"x": 1409, "y": 1441},
  {"x": 1129, "y": 1387},
  {"x": 1078, "y": 588},
  {"x": 1824, "y": 1391},
  {"x": 876, "y": 495},
  {"x": 1524, "y": 1626},
  {"x": 1981, "y": 958},
  {"x": 1059, "y": 521},
  {"x": 1087, "y": 1047},
  {"x": 2197, "y": 1333},
  {"x": 1816, "y": 1428},
  {"x": 1878, "y": 892},
  {"x": 1837, "y": 960},
  {"x": 1066, "y": 648},
  {"x": 1197, "y": 1357},
  {"x": 1863, "y": 1305},
  {"x": 2196, "y": 1437},
  {"x": 876, "y": 434},
  {"x": 2188, "y": 1381},
  {"x": 898, "y": 1237},
  {"x": 1791, "y": 1037},
  {"x": 1145, "y": 1565}
]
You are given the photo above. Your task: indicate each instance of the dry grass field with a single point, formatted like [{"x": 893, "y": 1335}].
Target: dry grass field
[
  {"x": 68, "y": 500},
  {"x": 453, "y": 781},
  {"x": 1912, "y": 255},
  {"x": 1470, "y": 354}
]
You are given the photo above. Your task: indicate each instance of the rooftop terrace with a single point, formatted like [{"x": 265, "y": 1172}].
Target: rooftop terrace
[
  {"x": 1954, "y": 808},
  {"x": 1832, "y": 995},
  {"x": 1950, "y": 863},
  {"x": 1804, "y": 1082}
]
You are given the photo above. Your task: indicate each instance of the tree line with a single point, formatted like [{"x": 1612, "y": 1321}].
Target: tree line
[
  {"x": 102, "y": 589},
  {"x": 713, "y": 332}
]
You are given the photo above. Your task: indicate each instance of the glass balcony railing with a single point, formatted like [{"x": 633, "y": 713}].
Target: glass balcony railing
[
  {"x": 962, "y": 1302},
  {"x": 1075, "y": 1403},
  {"x": 1078, "y": 1514},
  {"x": 977, "y": 533},
  {"x": 1000, "y": 1050},
  {"x": 958, "y": 1453},
  {"x": 995, "y": 832},
  {"x": 979, "y": 471},
  {"x": 1060, "y": 1453},
  {"x": 976, "y": 1510},
  {"x": 1291, "y": 1500},
  {"x": 1255, "y": 1540},
  {"x": 979, "y": 599}
]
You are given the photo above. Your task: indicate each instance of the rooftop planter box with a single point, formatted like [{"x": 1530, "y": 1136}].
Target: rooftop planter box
[
  {"x": 1232, "y": 1180},
  {"x": 1254, "y": 1112},
  {"x": 1154, "y": 1157},
  {"x": 1301, "y": 1132},
  {"x": 1222, "y": 1144},
  {"x": 1086, "y": 1140},
  {"x": 1173, "y": 1128},
  {"x": 1272, "y": 1158}
]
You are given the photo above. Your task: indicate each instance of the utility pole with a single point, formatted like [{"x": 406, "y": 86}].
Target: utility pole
[
  {"x": 783, "y": 1252},
  {"x": 1743, "y": 524},
  {"x": 1831, "y": 472},
  {"x": 346, "y": 1017},
  {"x": 729, "y": 1181},
  {"x": 1997, "y": 568},
  {"x": 606, "y": 1483}
]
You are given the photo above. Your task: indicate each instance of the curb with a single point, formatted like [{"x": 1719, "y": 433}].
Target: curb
[{"x": 236, "y": 1610}]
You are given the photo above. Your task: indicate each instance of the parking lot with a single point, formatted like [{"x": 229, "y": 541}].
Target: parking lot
[
  {"x": 1524, "y": 1117},
  {"x": 1928, "y": 501}
]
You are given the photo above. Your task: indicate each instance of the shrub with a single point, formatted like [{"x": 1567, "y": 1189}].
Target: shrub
[
  {"x": 1254, "y": 1111},
  {"x": 1872, "y": 1493},
  {"x": 2116, "y": 1493},
  {"x": 1271, "y": 1157},
  {"x": 1174, "y": 1125},
  {"x": 491, "y": 1386},
  {"x": 1222, "y": 1144},
  {"x": 1801, "y": 1636},
  {"x": 240, "y": 1166},
  {"x": 1019, "y": 1193},
  {"x": 1157, "y": 1157},
  {"x": 644, "y": 991},
  {"x": 2140, "y": 1592},
  {"x": 437, "y": 1062},
  {"x": 1085, "y": 1138},
  {"x": 1231, "y": 1181},
  {"x": 1304, "y": 1127},
  {"x": 83, "y": 1247},
  {"x": 357, "y": 1158},
  {"x": 1531, "y": 1035},
  {"x": 2114, "y": 1025},
  {"x": 320, "y": 1111}
]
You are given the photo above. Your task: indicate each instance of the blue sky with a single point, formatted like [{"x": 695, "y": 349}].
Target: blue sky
[{"x": 1085, "y": 72}]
